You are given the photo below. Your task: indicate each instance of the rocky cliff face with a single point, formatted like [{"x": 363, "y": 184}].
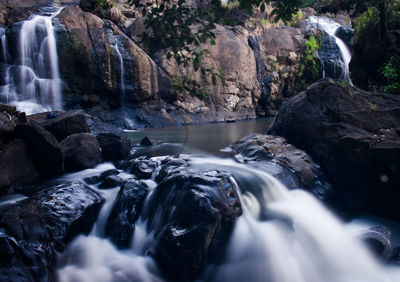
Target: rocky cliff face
[{"x": 108, "y": 75}]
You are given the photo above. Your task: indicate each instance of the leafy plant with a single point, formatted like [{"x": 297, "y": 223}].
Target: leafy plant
[
  {"x": 391, "y": 73},
  {"x": 310, "y": 69}
]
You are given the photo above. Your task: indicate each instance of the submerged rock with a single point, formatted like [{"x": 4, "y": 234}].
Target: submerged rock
[
  {"x": 142, "y": 167},
  {"x": 378, "y": 241},
  {"x": 32, "y": 229},
  {"x": 354, "y": 136},
  {"x": 81, "y": 151},
  {"x": 191, "y": 214},
  {"x": 120, "y": 224}
]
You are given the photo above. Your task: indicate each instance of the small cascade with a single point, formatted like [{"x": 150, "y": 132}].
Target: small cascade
[
  {"x": 121, "y": 63},
  {"x": 32, "y": 81},
  {"x": 334, "y": 54}
]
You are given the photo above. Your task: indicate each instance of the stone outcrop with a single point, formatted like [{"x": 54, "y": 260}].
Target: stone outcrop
[
  {"x": 34, "y": 228},
  {"x": 93, "y": 77},
  {"x": 353, "y": 135},
  {"x": 291, "y": 166}
]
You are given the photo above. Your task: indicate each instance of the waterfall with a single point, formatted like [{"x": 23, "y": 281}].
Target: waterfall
[
  {"x": 333, "y": 48},
  {"x": 282, "y": 236},
  {"x": 121, "y": 63},
  {"x": 33, "y": 82}
]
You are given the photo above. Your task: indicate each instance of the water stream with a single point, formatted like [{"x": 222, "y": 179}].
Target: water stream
[
  {"x": 32, "y": 80},
  {"x": 339, "y": 67},
  {"x": 282, "y": 235}
]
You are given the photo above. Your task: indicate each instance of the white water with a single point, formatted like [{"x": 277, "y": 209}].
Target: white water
[
  {"x": 122, "y": 69},
  {"x": 330, "y": 27},
  {"x": 282, "y": 236},
  {"x": 34, "y": 83}
]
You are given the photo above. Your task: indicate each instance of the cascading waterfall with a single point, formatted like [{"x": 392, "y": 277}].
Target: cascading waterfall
[
  {"x": 33, "y": 82},
  {"x": 282, "y": 236},
  {"x": 330, "y": 27}
]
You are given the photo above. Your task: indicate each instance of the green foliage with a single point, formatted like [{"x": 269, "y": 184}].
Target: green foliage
[
  {"x": 391, "y": 73},
  {"x": 310, "y": 69},
  {"x": 366, "y": 24}
]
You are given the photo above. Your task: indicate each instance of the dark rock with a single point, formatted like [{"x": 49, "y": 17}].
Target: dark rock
[
  {"x": 81, "y": 151},
  {"x": 378, "y": 240},
  {"x": 7, "y": 125},
  {"x": 332, "y": 59},
  {"x": 171, "y": 166},
  {"x": 11, "y": 110},
  {"x": 32, "y": 228},
  {"x": 395, "y": 256},
  {"x": 125, "y": 212},
  {"x": 64, "y": 124},
  {"x": 192, "y": 215},
  {"x": 291, "y": 166},
  {"x": 345, "y": 33},
  {"x": 17, "y": 167},
  {"x": 110, "y": 182},
  {"x": 142, "y": 167},
  {"x": 352, "y": 134},
  {"x": 147, "y": 141},
  {"x": 98, "y": 178},
  {"x": 165, "y": 149},
  {"x": 43, "y": 147},
  {"x": 113, "y": 147}
]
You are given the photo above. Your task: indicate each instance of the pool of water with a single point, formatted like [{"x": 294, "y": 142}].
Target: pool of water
[{"x": 209, "y": 138}]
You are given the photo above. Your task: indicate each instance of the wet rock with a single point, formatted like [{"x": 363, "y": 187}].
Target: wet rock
[
  {"x": 346, "y": 34},
  {"x": 120, "y": 224},
  {"x": 17, "y": 167},
  {"x": 7, "y": 125},
  {"x": 159, "y": 150},
  {"x": 110, "y": 181},
  {"x": 142, "y": 167},
  {"x": 98, "y": 178},
  {"x": 64, "y": 124},
  {"x": 395, "y": 256},
  {"x": 291, "y": 166},
  {"x": 171, "y": 166},
  {"x": 43, "y": 147},
  {"x": 378, "y": 240},
  {"x": 354, "y": 136},
  {"x": 114, "y": 147},
  {"x": 32, "y": 228},
  {"x": 12, "y": 11},
  {"x": 147, "y": 141},
  {"x": 11, "y": 110},
  {"x": 81, "y": 151},
  {"x": 192, "y": 215}
]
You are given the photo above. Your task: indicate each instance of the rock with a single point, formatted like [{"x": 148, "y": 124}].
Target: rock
[
  {"x": 7, "y": 125},
  {"x": 12, "y": 11},
  {"x": 125, "y": 212},
  {"x": 64, "y": 124},
  {"x": 81, "y": 151},
  {"x": 33, "y": 228},
  {"x": 354, "y": 136},
  {"x": 110, "y": 181},
  {"x": 17, "y": 167},
  {"x": 114, "y": 147},
  {"x": 195, "y": 232},
  {"x": 346, "y": 34},
  {"x": 291, "y": 166},
  {"x": 378, "y": 240},
  {"x": 11, "y": 110},
  {"x": 147, "y": 141},
  {"x": 94, "y": 78},
  {"x": 43, "y": 147},
  {"x": 395, "y": 257},
  {"x": 171, "y": 166},
  {"x": 99, "y": 178},
  {"x": 332, "y": 59},
  {"x": 142, "y": 167}
]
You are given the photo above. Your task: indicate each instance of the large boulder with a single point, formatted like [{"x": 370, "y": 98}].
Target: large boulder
[
  {"x": 354, "y": 136},
  {"x": 64, "y": 124},
  {"x": 17, "y": 166},
  {"x": 81, "y": 151},
  {"x": 32, "y": 229},
  {"x": 291, "y": 166},
  {"x": 196, "y": 230},
  {"x": 43, "y": 147},
  {"x": 113, "y": 147},
  {"x": 12, "y": 11},
  {"x": 120, "y": 224}
]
